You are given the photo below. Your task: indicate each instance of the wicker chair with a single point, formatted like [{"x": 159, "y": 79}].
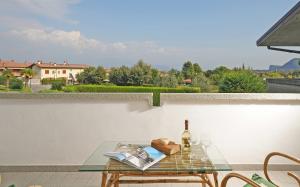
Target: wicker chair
[{"x": 266, "y": 162}]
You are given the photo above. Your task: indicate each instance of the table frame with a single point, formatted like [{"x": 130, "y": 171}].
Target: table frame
[{"x": 113, "y": 179}]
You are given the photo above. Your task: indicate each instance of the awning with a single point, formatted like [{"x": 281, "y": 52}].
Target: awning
[{"x": 286, "y": 32}]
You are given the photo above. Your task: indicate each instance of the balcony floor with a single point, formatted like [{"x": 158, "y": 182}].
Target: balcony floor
[{"x": 87, "y": 179}]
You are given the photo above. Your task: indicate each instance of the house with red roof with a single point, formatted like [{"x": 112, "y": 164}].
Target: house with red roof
[
  {"x": 14, "y": 66},
  {"x": 53, "y": 70}
]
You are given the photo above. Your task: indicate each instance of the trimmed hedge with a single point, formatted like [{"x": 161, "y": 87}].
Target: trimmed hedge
[
  {"x": 57, "y": 85},
  {"x": 133, "y": 89},
  {"x": 52, "y": 80}
]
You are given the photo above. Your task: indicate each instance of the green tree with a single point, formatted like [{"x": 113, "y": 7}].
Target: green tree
[
  {"x": 242, "y": 81},
  {"x": 197, "y": 69},
  {"x": 201, "y": 81},
  {"x": 101, "y": 72},
  {"x": 187, "y": 70},
  {"x": 177, "y": 74},
  {"x": 221, "y": 70},
  {"x": 169, "y": 81},
  {"x": 120, "y": 76},
  {"x": 218, "y": 74},
  {"x": 92, "y": 75},
  {"x": 140, "y": 74},
  {"x": 155, "y": 74},
  {"x": 28, "y": 74},
  {"x": 7, "y": 73}
]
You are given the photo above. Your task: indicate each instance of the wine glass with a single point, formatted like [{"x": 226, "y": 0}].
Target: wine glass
[{"x": 205, "y": 144}]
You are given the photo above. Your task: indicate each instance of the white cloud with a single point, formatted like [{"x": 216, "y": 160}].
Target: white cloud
[
  {"x": 72, "y": 39},
  {"x": 54, "y": 9},
  {"x": 75, "y": 40}
]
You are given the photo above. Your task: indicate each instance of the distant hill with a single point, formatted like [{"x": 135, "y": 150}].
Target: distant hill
[{"x": 291, "y": 65}]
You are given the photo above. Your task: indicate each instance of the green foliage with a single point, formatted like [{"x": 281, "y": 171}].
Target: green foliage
[
  {"x": 2, "y": 88},
  {"x": 28, "y": 74},
  {"x": 7, "y": 73},
  {"x": 169, "y": 81},
  {"x": 2, "y": 80},
  {"x": 26, "y": 90},
  {"x": 218, "y": 74},
  {"x": 138, "y": 89},
  {"x": 188, "y": 70},
  {"x": 119, "y": 76},
  {"x": 156, "y": 98},
  {"x": 70, "y": 88},
  {"x": 201, "y": 81},
  {"x": 242, "y": 81},
  {"x": 15, "y": 84},
  {"x": 57, "y": 85},
  {"x": 155, "y": 74},
  {"x": 92, "y": 75},
  {"x": 296, "y": 74},
  {"x": 273, "y": 75},
  {"x": 177, "y": 74},
  {"x": 197, "y": 69},
  {"x": 140, "y": 74},
  {"x": 135, "y": 89},
  {"x": 45, "y": 81}
]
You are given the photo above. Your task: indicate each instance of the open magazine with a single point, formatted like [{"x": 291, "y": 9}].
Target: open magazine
[{"x": 138, "y": 156}]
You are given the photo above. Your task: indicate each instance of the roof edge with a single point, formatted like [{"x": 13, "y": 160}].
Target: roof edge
[{"x": 291, "y": 12}]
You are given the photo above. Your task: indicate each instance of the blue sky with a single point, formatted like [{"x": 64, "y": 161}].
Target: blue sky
[{"x": 164, "y": 33}]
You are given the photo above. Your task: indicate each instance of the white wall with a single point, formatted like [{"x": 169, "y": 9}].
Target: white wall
[{"x": 56, "y": 131}]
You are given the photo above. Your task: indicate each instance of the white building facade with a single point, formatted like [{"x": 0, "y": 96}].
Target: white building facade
[{"x": 54, "y": 71}]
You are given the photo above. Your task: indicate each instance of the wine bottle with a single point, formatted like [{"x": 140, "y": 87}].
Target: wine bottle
[{"x": 186, "y": 137}]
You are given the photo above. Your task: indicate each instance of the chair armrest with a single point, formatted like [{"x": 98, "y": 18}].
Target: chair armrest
[
  {"x": 295, "y": 177},
  {"x": 239, "y": 176},
  {"x": 267, "y": 159}
]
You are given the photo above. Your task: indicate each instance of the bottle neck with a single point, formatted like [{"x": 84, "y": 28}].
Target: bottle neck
[{"x": 186, "y": 127}]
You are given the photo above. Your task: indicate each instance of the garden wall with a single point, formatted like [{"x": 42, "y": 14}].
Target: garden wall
[{"x": 64, "y": 129}]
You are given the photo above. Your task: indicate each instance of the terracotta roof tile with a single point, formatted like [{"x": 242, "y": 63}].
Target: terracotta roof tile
[{"x": 13, "y": 64}]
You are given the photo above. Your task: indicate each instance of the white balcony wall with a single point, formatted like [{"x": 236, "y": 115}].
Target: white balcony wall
[{"x": 50, "y": 131}]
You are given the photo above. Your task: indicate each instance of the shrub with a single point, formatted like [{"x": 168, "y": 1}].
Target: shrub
[
  {"x": 57, "y": 85},
  {"x": 2, "y": 88},
  {"x": 26, "y": 90},
  {"x": 242, "y": 81},
  {"x": 51, "y": 80},
  {"x": 92, "y": 75},
  {"x": 201, "y": 81},
  {"x": 16, "y": 84},
  {"x": 139, "y": 89},
  {"x": 133, "y": 89},
  {"x": 2, "y": 80},
  {"x": 119, "y": 76},
  {"x": 169, "y": 81}
]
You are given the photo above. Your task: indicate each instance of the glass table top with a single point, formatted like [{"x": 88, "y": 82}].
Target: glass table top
[{"x": 199, "y": 159}]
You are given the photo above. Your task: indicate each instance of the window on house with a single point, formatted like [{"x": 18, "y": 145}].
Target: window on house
[
  {"x": 46, "y": 71},
  {"x": 64, "y": 71},
  {"x": 53, "y": 72},
  {"x": 58, "y": 72}
]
